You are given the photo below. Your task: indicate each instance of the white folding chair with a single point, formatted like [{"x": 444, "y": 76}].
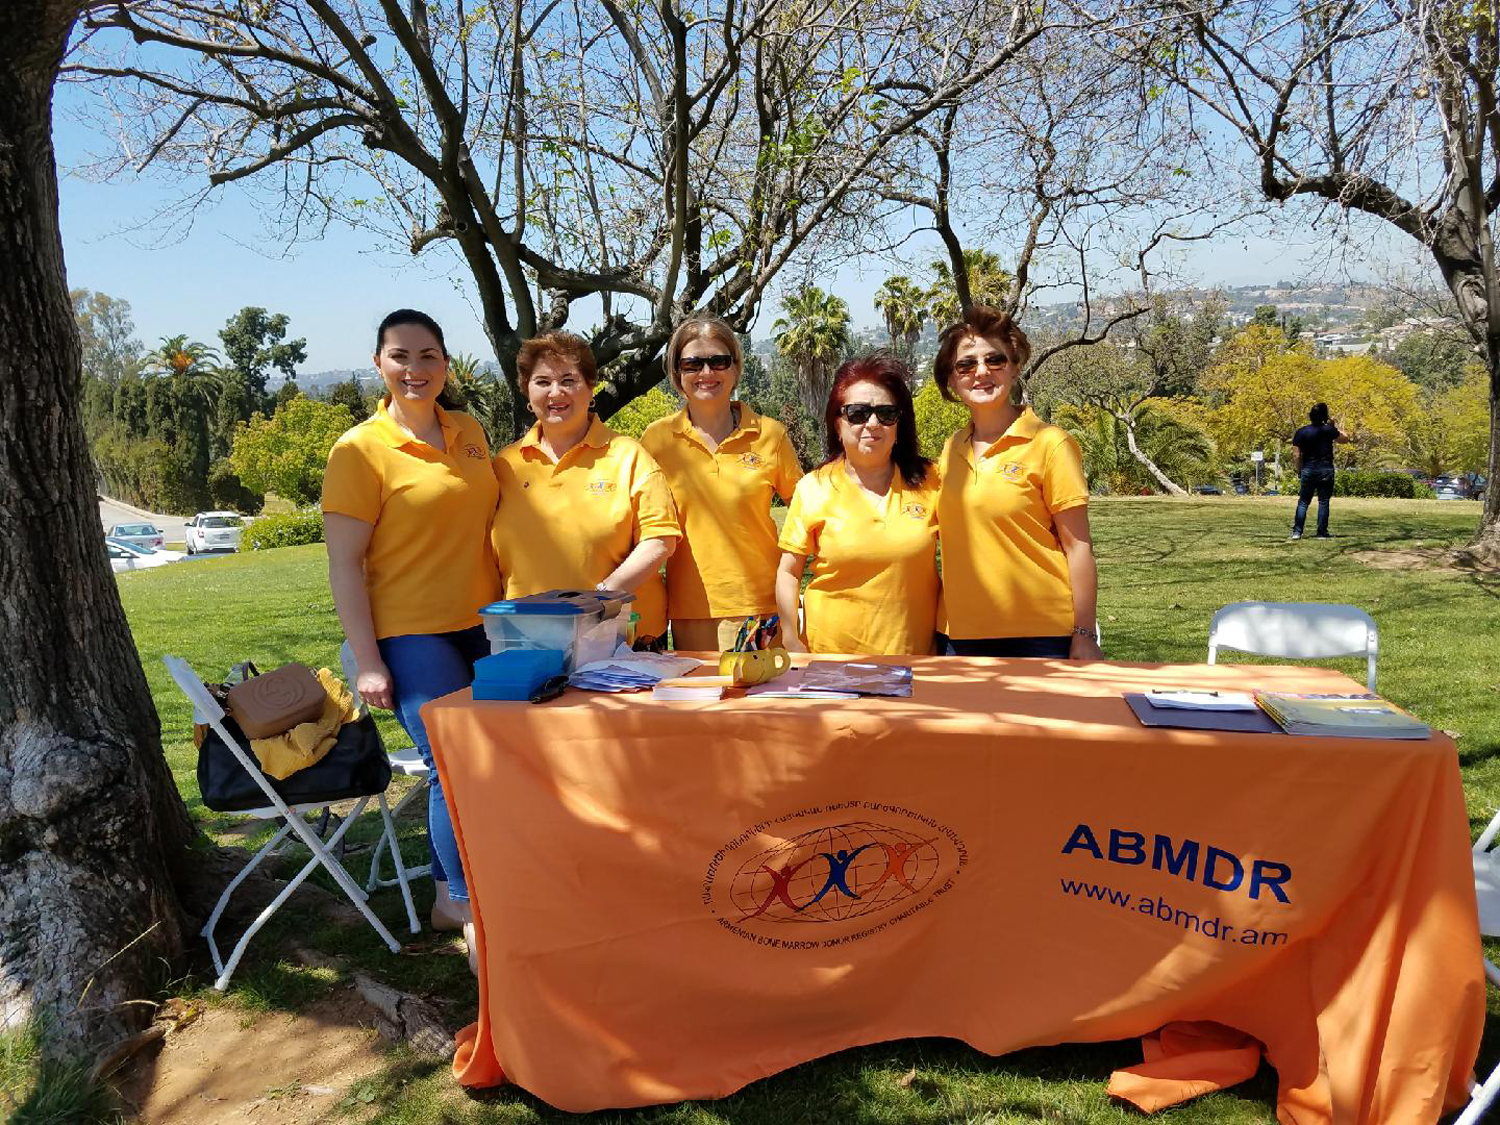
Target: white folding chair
[
  {"x": 1487, "y": 891},
  {"x": 407, "y": 761},
  {"x": 207, "y": 710},
  {"x": 1296, "y": 630}
]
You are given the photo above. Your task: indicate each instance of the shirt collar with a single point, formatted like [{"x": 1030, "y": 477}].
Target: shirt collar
[
  {"x": 1026, "y": 426},
  {"x": 749, "y": 425},
  {"x": 394, "y": 436},
  {"x": 599, "y": 435}
]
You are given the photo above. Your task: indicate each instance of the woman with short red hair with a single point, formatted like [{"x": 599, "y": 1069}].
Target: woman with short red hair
[
  {"x": 1019, "y": 577},
  {"x": 867, "y": 521},
  {"x": 580, "y": 505}
]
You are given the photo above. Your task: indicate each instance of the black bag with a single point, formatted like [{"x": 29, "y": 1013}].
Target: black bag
[{"x": 356, "y": 766}]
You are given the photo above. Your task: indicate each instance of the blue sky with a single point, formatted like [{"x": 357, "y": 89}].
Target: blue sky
[{"x": 336, "y": 289}]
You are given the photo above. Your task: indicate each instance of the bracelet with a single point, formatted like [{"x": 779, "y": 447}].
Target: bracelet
[{"x": 1092, "y": 633}]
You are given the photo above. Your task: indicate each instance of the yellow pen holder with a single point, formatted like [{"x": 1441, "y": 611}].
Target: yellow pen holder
[{"x": 754, "y": 667}]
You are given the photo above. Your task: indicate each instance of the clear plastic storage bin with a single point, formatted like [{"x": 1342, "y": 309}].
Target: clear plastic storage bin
[{"x": 585, "y": 625}]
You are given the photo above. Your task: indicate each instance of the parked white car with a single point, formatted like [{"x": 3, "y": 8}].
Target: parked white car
[
  {"x": 214, "y": 531},
  {"x": 139, "y": 534},
  {"x": 124, "y": 555}
]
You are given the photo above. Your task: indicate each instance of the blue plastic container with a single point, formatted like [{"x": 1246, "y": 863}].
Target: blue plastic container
[
  {"x": 515, "y": 673},
  {"x": 585, "y": 625}
]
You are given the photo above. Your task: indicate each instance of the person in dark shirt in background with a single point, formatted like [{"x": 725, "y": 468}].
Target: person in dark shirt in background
[{"x": 1315, "y": 467}]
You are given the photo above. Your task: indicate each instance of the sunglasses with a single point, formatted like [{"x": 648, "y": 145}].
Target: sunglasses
[
  {"x": 968, "y": 365},
  {"x": 858, "y": 413},
  {"x": 719, "y": 362}
]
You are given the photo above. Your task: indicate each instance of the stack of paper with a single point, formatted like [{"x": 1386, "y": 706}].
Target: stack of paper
[
  {"x": 1189, "y": 700},
  {"x": 1342, "y": 716},
  {"x": 858, "y": 678},
  {"x": 631, "y": 671},
  {"x": 692, "y": 689},
  {"x": 790, "y": 686}
]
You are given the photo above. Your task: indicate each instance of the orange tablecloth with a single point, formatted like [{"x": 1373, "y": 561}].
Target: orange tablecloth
[{"x": 674, "y": 900}]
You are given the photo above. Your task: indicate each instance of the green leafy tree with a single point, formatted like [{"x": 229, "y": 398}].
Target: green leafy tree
[
  {"x": 641, "y": 411},
  {"x": 107, "y": 332},
  {"x": 813, "y": 337},
  {"x": 348, "y": 395},
  {"x": 285, "y": 393},
  {"x": 255, "y": 344},
  {"x": 937, "y": 418},
  {"x": 288, "y": 452},
  {"x": 1435, "y": 359},
  {"x": 903, "y": 305}
]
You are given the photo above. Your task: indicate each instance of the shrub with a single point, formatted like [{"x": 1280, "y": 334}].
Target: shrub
[
  {"x": 293, "y": 529},
  {"x": 1361, "y": 482}
]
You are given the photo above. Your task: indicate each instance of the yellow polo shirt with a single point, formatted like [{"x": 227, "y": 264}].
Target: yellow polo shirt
[
  {"x": 1004, "y": 571},
  {"x": 568, "y": 525},
  {"x": 428, "y": 567},
  {"x": 874, "y": 589},
  {"x": 725, "y": 565}
]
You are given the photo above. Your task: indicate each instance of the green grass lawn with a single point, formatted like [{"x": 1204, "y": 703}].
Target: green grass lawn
[{"x": 1165, "y": 566}]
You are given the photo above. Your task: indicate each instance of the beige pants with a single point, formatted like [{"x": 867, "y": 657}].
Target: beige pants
[{"x": 707, "y": 634}]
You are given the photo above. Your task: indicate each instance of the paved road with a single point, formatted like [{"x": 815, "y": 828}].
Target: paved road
[{"x": 171, "y": 526}]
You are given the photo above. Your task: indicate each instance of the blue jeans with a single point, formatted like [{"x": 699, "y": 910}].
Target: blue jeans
[
  {"x": 1315, "y": 479},
  {"x": 1054, "y": 647},
  {"x": 423, "y": 668}
]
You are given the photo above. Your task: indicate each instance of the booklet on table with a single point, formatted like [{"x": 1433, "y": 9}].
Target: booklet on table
[{"x": 1341, "y": 716}]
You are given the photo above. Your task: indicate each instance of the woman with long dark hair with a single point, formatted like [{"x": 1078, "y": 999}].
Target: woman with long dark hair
[
  {"x": 867, "y": 520},
  {"x": 408, "y": 499}
]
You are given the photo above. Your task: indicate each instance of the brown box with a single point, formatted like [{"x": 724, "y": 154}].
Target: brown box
[{"x": 274, "y": 703}]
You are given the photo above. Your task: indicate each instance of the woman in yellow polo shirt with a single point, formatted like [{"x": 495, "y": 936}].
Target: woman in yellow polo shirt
[
  {"x": 867, "y": 519},
  {"x": 581, "y": 506},
  {"x": 723, "y": 461},
  {"x": 408, "y": 499},
  {"x": 1018, "y": 564}
]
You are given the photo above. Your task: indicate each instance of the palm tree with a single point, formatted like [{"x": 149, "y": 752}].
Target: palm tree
[
  {"x": 176, "y": 355},
  {"x": 813, "y": 336},
  {"x": 1142, "y": 448},
  {"x": 989, "y": 284},
  {"x": 903, "y": 304},
  {"x": 480, "y": 394}
]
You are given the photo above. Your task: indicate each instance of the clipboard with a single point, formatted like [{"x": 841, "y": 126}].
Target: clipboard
[{"x": 1254, "y": 722}]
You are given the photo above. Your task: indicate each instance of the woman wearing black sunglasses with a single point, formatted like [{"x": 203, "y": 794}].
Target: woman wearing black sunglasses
[
  {"x": 868, "y": 521},
  {"x": 1018, "y": 562},
  {"x": 722, "y": 461}
]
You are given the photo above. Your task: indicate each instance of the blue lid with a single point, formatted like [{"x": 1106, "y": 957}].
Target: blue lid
[{"x": 558, "y": 603}]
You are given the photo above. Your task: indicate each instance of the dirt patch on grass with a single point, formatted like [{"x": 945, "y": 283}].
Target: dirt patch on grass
[
  {"x": 1421, "y": 558},
  {"x": 230, "y": 1065}
]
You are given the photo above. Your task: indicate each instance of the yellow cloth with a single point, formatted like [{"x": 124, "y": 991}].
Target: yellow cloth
[
  {"x": 1004, "y": 571},
  {"x": 569, "y": 524},
  {"x": 429, "y": 567},
  {"x": 725, "y": 565},
  {"x": 306, "y": 744},
  {"x": 875, "y": 582}
]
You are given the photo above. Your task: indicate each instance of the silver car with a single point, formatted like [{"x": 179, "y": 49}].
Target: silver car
[
  {"x": 214, "y": 531},
  {"x": 137, "y": 534}
]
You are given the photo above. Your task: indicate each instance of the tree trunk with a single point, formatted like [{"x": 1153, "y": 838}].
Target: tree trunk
[
  {"x": 1151, "y": 467},
  {"x": 89, "y": 817}
]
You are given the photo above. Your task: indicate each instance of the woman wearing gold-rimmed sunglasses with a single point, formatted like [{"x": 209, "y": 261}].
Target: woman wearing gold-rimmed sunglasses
[{"x": 722, "y": 461}]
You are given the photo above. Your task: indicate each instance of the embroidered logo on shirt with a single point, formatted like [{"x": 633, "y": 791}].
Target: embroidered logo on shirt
[
  {"x": 1013, "y": 470},
  {"x": 915, "y": 511},
  {"x": 600, "y": 487},
  {"x": 474, "y": 451},
  {"x": 751, "y": 460}
]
